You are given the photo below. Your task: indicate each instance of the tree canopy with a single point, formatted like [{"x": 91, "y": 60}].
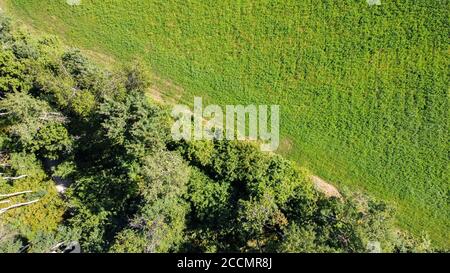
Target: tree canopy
[{"x": 128, "y": 187}]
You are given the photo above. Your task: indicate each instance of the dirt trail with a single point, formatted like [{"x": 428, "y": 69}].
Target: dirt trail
[
  {"x": 319, "y": 184},
  {"x": 325, "y": 187}
]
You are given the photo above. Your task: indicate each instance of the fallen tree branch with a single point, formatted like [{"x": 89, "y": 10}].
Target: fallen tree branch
[
  {"x": 15, "y": 178},
  {"x": 53, "y": 116},
  {"x": 14, "y": 194},
  {"x": 17, "y": 205},
  {"x": 54, "y": 248}
]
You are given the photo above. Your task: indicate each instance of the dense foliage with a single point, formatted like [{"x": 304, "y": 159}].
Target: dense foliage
[
  {"x": 363, "y": 89},
  {"x": 131, "y": 188}
]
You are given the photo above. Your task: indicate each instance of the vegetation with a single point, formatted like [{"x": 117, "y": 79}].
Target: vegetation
[
  {"x": 363, "y": 89},
  {"x": 131, "y": 188}
]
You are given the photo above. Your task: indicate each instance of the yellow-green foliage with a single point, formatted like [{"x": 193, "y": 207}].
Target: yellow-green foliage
[{"x": 43, "y": 216}]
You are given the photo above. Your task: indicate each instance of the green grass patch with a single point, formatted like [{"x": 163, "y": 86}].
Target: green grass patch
[{"x": 363, "y": 89}]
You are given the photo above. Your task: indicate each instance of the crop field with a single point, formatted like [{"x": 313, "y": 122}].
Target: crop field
[{"x": 363, "y": 89}]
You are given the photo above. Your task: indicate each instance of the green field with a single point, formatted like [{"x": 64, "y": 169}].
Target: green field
[{"x": 363, "y": 89}]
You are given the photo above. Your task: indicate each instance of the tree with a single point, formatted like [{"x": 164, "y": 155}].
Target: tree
[
  {"x": 5, "y": 28},
  {"x": 209, "y": 199},
  {"x": 299, "y": 240},
  {"x": 261, "y": 222},
  {"x": 44, "y": 215},
  {"x": 85, "y": 74},
  {"x": 160, "y": 221},
  {"x": 9, "y": 243},
  {"x": 211, "y": 220},
  {"x": 136, "y": 77},
  {"x": 134, "y": 125},
  {"x": 49, "y": 242},
  {"x": 12, "y": 74},
  {"x": 51, "y": 141},
  {"x": 32, "y": 126},
  {"x": 131, "y": 188}
]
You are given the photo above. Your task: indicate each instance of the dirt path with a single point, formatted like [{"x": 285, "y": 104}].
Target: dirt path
[{"x": 325, "y": 187}]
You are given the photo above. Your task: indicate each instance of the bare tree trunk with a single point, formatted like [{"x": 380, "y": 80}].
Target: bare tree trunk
[
  {"x": 15, "y": 178},
  {"x": 14, "y": 194},
  {"x": 17, "y": 205}
]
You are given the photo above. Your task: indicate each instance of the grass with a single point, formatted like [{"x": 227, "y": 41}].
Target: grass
[{"x": 363, "y": 89}]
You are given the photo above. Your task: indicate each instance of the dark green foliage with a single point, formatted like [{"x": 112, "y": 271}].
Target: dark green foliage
[
  {"x": 300, "y": 240},
  {"x": 141, "y": 188},
  {"x": 133, "y": 124},
  {"x": 12, "y": 77},
  {"x": 160, "y": 220},
  {"x": 47, "y": 242},
  {"x": 24, "y": 50},
  {"x": 81, "y": 70},
  {"x": 5, "y": 28},
  {"x": 130, "y": 188},
  {"x": 211, "y": 222},
  {"x": 363, "y": 89},
  {"x": 32, "y": 126},
  {"x": 210, "y": 200},
  {"x": 92, "y": 225},
  {"x": 9, "y": 243},
  {"x": 268, "y": 204},
  {"x": 52, "y": 141}
]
